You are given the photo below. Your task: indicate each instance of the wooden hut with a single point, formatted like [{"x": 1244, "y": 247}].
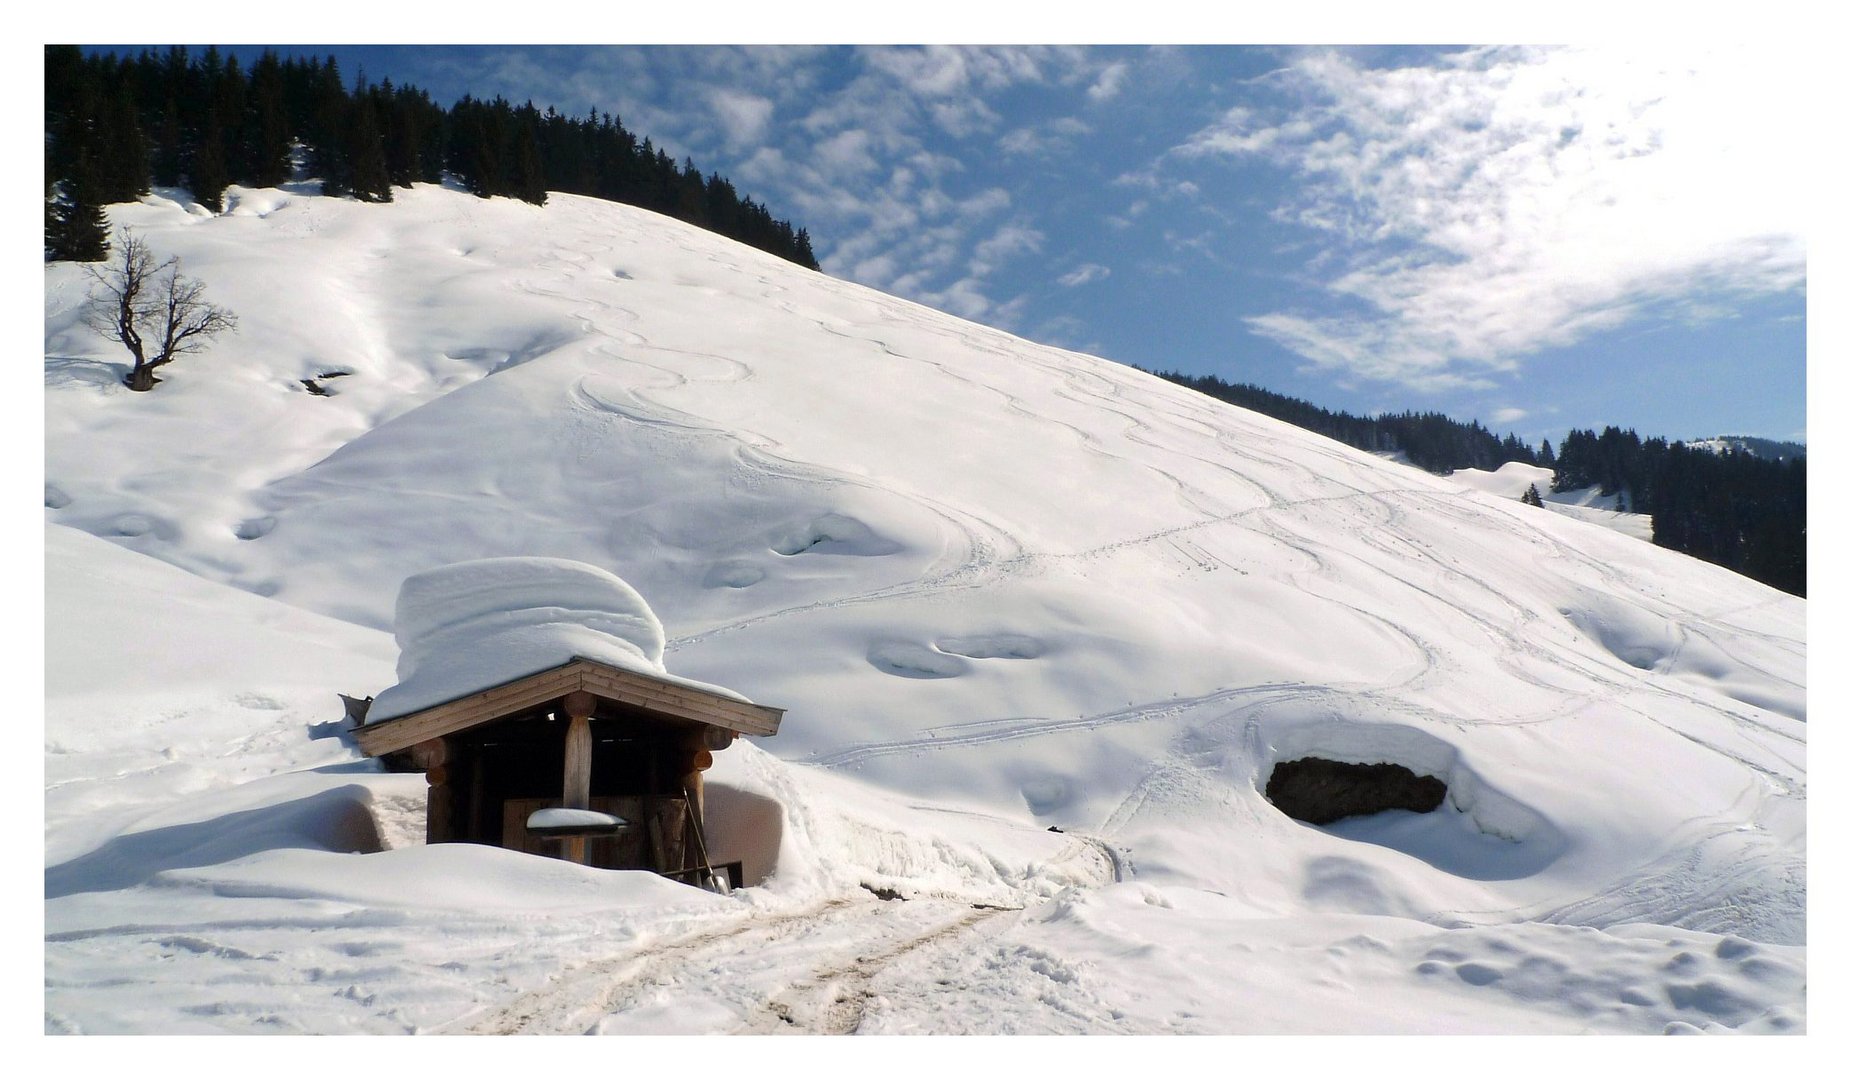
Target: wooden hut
[{"x": 586, "y": 736}]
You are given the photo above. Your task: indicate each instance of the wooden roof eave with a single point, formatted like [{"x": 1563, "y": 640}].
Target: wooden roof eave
[{"x": 670, "y": 699}]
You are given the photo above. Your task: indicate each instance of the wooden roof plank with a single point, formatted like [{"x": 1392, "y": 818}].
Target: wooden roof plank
[
  {"x": 385, "y": 736},
  {"x": 696, "y": 704},
  {"x": 614, "y": 684}
]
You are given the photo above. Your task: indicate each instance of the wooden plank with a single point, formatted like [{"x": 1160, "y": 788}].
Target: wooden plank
[
  {"x": 502, "y": 701},
  {"x": 664, "y": 690},
  {"x": 400, "y": 732},
  {"x": 683, "y": 702},
  {"x": 616, "y": 684},
  {"x": 685, "y": 695},
  {"x": 396, "y": 734}
]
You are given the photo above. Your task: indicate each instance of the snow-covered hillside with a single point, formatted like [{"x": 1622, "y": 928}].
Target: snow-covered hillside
[
  {"x": 1773, "y": 449},
  {"x": 1000, "y": 588},
  {"x": 1511, "y": 479}
]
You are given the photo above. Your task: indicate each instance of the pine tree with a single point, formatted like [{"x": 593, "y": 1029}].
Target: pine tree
[
  {"x": 327, "y": 130},
  {"x": 76, "y": 229},
  {"x": 166, "y": 162},
  {"x": 208, "y": 177},
  {"x": 266, "y": 125},
  {"x": 1532, "y": 497},
  {"x": 372, "y": 182},
  {"x": 125, "y": 151},
  {"x": 529, "y": 183}
]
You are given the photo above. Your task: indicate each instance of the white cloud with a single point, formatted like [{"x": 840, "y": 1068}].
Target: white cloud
[
  {"x": 1111, "y": 80},
  {"x": 1057, "y": 136},
  {"x": 743, "y": 117},
  {"x": 964, "y": 298},
  {"x": 847, "y": 152},
  {"x": 985, "y": 202},
  {"x": 866, "y": 146},
  {"x": 1501, "y": 201},
  {"x": 1085, "y": 274},
  {"x": 1022, "y": 141},
  {"x": 862, "y": 146},
  {"x": 1508, "y": 415},
  {"x": 1005, "y": 244},
  {"x": 946, "y": 70},
  {"x": 964, "y": 117}
]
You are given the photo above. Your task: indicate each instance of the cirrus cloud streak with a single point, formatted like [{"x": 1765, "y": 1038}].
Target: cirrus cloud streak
[{"x": 1501, "y": 201}]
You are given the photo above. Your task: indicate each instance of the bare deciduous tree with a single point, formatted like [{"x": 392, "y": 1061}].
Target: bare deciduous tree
[{"x": 154, "y": 312}]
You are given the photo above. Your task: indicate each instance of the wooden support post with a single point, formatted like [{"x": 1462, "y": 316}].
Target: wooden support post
[
  {"x": 578, "y": 707},
  {"x": 696, "y": 759},
  {"x": 433, "y": 756}
]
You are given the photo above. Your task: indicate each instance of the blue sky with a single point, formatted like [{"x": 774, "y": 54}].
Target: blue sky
[{"x": 1539, "y": 238}]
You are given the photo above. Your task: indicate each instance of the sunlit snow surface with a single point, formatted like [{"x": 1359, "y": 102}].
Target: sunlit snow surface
[{"x": 998, "y": 587}]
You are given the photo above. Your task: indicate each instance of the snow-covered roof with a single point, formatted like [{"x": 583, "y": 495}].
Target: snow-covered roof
[{"x": 470, "y": 626}]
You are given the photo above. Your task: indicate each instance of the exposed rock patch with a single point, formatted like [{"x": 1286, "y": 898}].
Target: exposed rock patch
[
  {"x": 1320, "y": 791},
  {"x": 834, "y": 534}
]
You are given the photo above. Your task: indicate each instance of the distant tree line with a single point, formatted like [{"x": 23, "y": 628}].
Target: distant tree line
[
  {"x": 114, "y": 126},
  {"x": 1431, "y": 441},
  {"x": 1731, "y": 508},
  {"x": 1735, "y": 509}
]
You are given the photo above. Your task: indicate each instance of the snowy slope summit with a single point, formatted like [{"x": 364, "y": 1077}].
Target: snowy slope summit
[{"x": 1000, "y": 589}]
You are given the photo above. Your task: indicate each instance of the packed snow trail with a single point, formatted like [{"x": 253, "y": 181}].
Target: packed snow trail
[
  {"x": 746, "y": 968},
  {"x": 742, "y": 966}
]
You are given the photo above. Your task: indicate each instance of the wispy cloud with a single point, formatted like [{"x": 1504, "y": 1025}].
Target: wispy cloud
[
  {"x": 1498, "y": 202},
  {"x": 1085, "y": 274},
  {"x": 744, "y": 117},
  {"x": 1055, "y": 136},
  {"x": 1006, "y": 243},
  {"x": 864, "y": 146},
  {"x": 1110, "y": 81}
]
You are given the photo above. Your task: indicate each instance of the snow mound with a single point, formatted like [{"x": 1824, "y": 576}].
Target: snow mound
[{"x": 477, "y": 624}]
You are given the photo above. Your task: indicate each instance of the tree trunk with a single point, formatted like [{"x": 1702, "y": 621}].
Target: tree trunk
[{"x": 141, "y": 378}]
